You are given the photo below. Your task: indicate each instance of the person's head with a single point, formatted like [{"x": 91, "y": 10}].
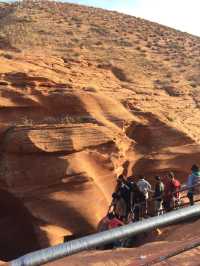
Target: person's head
[
  {"x": 130, "y": 179},
  {"x": 194, "y": 168},
  {"x": 158, "y": 179},
  {"x": 141, "y": 177},
  {"x": 171, "y": 176},
  {"x": 120, "y": 178}
]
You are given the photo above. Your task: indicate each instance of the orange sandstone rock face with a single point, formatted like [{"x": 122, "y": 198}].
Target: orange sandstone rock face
[
  {"x": 85, "y": 95},
  {"x": 58, "y": 171},
  {"x": 149, "y": 253},
  {"x": 167, "y": 248}
]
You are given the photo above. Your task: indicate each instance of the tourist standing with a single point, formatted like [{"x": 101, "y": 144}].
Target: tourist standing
[
  {"x": 144, "y": 186},
  {"x": 193, "y": 180},
  {"x": 158, "y": 195}
]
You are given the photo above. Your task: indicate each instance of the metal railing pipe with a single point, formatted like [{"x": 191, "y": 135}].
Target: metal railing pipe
[{"x": 53, "y": 253}]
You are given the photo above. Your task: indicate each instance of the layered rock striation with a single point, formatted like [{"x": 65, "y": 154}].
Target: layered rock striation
[{"x": 85, "y": 95}]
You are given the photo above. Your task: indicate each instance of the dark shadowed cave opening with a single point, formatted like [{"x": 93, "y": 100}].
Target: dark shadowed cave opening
[{"x": 17, "y": 235}]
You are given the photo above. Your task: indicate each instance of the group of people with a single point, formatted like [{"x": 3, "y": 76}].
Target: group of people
[{"x": 132, "y": 199}]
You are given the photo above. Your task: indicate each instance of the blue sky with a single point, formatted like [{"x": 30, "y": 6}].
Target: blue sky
[
  {"x": 179, "y": 14},
  {"x": 107, "y": 4}
]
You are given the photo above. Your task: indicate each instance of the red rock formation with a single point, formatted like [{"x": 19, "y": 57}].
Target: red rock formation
[{"x": 84, "y": 95}]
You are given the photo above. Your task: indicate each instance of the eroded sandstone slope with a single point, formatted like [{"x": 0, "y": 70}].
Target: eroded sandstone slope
[{"x": 84, "y": 95}]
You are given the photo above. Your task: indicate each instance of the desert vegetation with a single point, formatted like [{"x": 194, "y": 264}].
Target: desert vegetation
[{"x": 84, "y": 95}]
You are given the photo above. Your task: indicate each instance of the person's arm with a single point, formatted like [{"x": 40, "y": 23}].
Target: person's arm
[
  {"x": 173, "y": 186},
  {"x": 120, "y": 223},
  {"x": 131, "y": 199},
  {"x": 138, "y": 183},
  {"x": 149, "y": 186},
  {"x": 189, "y": 183},
  {"x": 162, "y": 191},
  {"x": 112, "y": 207}
]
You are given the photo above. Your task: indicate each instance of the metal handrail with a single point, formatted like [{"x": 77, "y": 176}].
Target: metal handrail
[{"x": 92, "y": 241}]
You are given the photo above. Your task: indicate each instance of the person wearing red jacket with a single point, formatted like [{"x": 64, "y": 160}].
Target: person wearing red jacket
[
  {"x": 175, "y": 188},
  {"x": 110, "y": 221},
  {"x": 114, "y": 222},
  {"x": 171, "y": 193}
]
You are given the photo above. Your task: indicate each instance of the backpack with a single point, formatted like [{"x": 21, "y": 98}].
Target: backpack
[
  {"x": 124, "y": 191},
  {"x": 159, "y": 190}
]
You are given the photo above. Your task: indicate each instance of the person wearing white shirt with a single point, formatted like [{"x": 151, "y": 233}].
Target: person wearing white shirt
[{"x": 144, "y": 186}]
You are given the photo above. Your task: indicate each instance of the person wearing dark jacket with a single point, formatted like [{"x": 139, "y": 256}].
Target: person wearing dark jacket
[
  {"x": 122, "y": 202},
  {"x": 158, "y": 195},
  {"x": 136, "y": 200}
]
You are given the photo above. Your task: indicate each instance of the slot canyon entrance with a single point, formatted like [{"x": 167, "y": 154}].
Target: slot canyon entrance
[{"x": 17, "y": 236}]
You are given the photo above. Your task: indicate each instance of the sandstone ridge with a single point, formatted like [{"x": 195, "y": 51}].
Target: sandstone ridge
[{"x": 86, "y": 94}]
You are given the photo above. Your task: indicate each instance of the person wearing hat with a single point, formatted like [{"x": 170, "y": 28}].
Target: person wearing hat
[
  {"x": 158, "y": 195},
  {"x": 193, "y": 180}
]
